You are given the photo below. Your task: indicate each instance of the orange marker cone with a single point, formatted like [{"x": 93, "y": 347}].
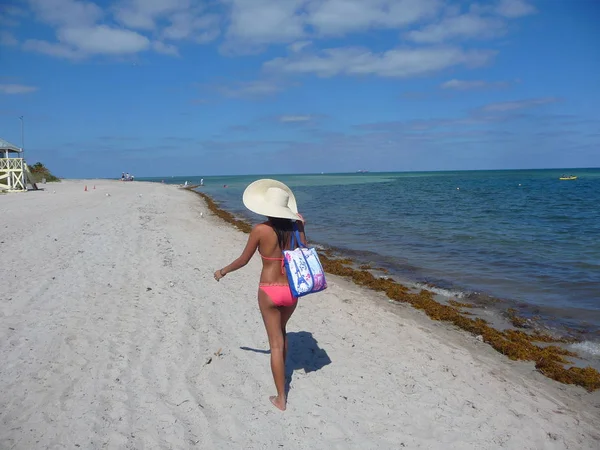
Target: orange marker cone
[{"x": 85, "y": 190}]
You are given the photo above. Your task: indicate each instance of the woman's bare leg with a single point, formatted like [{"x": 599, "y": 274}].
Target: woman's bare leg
[
  {"x": 275, "y": 319},
  {"x": 286, "y": 313}
]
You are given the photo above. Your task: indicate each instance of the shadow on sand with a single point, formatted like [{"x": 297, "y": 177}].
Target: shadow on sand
[{"x": 304, "y": 353}]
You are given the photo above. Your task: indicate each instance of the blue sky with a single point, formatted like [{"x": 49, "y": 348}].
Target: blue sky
[{"x": 185, "y": 87}]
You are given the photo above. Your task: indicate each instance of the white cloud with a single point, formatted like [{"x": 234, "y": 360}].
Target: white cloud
[
  {"x": 295, "y": 119},
  {"x": 260, "y": 22},
  {"x": 179, "y": 19},
  {"x": 263, "y": 22},
  {"x": 77, "y": 43},
  {"x": 165, "y": 49},
  {"x": 482, "y": 21},
  {"x": 339, "y": 17},
  {"x": 257, "y": 23},
  {"x": 78, "y": 34},
  {"x": 256, "y": 88},
  {"x": 518, "y": 105},
  {"x": 299, "y": 46},
  {"x": 206, "y": 36},
  {"x": 16, "y": 89},
  {"x": 464, "y": 85},
  {"x": 10, "y": 15},
  {"x": 83, "y": 28},
  {"x": 7, "y": 39},
  {"x": 135, "y": 20},
  {"x": 66, "y": 12},
  {"x": 184, "y": 25},
  {"x": 514, "y": 8},
  {"x": 398, "y": 62},
  {"x": 462, "y": 26},
  {"x": 51, "y": 49},
  {"x": 142, "y": 14},
  {"x": 7, "y": 9},
  {"x": 102, "y": 39}
]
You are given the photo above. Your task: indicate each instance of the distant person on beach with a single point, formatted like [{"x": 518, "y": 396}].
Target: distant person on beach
[{"x": 276, "y": 201}]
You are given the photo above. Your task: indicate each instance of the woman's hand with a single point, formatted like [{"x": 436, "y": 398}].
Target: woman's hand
[
  {"x": 219, "y": 274},
  {"x": 249, "y": 250}
]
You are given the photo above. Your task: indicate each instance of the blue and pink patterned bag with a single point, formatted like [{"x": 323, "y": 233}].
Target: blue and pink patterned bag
[{"x": 303, "y": 267}]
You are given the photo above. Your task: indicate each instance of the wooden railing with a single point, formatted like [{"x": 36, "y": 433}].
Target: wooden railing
[
  {"x": 11, "y": 174},
  {"x": 11, "y": 164}
]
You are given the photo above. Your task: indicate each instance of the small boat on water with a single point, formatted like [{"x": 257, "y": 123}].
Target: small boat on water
[{"x": 568, "y": 177}]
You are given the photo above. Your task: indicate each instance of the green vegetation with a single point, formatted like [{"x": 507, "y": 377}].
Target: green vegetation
[{"x": 39, "y": 171}]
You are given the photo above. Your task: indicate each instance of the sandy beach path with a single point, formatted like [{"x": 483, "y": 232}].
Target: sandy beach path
[{"x": 114, "y": 335}]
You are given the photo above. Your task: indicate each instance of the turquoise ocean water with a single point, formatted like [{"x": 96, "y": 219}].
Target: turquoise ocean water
[{"x": 520, "y": 238}]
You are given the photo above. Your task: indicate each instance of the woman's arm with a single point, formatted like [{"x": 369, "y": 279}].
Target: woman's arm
[{"x": 246, "y": 255}]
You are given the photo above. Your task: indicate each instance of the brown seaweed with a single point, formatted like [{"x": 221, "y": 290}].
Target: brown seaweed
[
  {"x": 225, "y": 215},
  {"x": 516, "y": 320},
  {"x": 460, "y": 304}
]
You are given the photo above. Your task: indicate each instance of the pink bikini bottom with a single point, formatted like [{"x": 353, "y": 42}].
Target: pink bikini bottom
[{"x": 280, "y": 294}]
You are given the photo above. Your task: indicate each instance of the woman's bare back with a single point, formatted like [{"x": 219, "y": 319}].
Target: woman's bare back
[{"x": 272, "y": 254}]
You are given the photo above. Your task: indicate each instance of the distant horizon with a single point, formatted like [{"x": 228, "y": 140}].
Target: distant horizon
[{"x": 141, "y": 177}]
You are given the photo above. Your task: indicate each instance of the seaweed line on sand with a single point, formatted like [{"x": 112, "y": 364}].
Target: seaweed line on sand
[{"x": 550, "y": 360}]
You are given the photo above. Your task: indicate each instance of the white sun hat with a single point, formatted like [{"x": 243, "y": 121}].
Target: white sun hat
[{"x": 271, "y": 198}]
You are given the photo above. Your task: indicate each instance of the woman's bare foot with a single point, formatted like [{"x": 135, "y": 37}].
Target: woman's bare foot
[{"x": 278, "y": 402}]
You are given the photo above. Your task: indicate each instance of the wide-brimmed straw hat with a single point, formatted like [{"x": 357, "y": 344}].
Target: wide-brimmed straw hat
[{"x": 271, "y": 198}]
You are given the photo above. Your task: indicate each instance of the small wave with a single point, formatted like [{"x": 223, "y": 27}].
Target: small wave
[
  {"x": 592, "y": 348},
  {"x": 441, "y": 291}
]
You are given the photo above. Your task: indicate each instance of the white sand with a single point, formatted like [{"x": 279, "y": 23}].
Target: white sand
[{"x": 91, "y": 358}]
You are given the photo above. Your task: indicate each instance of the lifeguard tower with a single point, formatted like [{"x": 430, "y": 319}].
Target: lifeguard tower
[{"x": 13, "y": 170}]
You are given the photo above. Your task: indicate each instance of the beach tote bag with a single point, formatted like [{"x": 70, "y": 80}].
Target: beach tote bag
[{"x": 304, "y": 270}]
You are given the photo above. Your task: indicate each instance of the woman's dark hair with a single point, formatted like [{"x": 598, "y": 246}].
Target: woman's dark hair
[{"x": 283, "y": 228}]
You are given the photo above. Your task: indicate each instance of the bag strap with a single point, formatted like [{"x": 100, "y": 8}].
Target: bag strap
[
  {"x": 293, "y": 240},
  {"x": 296, "y": 238}
]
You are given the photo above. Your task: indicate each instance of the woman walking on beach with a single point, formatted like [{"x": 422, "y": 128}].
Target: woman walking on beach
[{"x": 276, "y": 201}]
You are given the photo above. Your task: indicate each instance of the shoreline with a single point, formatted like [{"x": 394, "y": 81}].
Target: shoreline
[
  {"x": 114, "y": 334},
  {"x": 517, "y": 344}
]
